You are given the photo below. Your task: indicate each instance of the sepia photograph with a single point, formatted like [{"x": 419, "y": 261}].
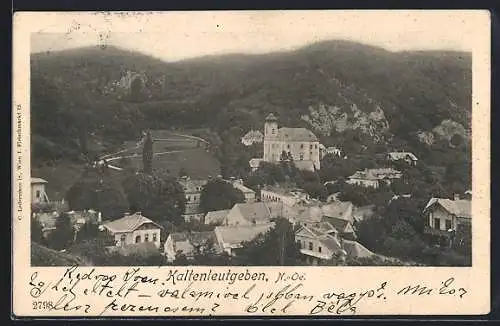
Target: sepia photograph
[
  {"x": 317, "y": 150},
  {"x": 322, "y": 162}
]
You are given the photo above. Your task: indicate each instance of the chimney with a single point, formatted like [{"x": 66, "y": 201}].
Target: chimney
[{"x": 456, "y": 197}]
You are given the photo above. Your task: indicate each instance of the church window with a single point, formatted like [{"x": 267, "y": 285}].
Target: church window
[
  {"x": 273, "y": 131},
  {"x": 311, "y": 146},
  {"x": 316, "y": 146},
  {"x": 288, "y": 146},
  {"x": 301, "y": 146}
]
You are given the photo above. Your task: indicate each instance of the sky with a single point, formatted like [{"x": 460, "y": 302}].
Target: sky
[{"x": 175, "y": 36}]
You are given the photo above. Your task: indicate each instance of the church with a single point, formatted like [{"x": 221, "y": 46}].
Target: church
[{"x": 300, "y": 143}]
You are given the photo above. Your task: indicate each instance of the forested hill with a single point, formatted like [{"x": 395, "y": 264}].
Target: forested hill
[{"x": 344, "y": 91}]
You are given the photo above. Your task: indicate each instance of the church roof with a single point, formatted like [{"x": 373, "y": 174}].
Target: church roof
[
  {"x": 296, "y": 134},
  {"x": 271, "y": 117}
]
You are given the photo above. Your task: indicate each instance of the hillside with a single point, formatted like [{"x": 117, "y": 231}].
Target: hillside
[{"x": 99, "y": 97}]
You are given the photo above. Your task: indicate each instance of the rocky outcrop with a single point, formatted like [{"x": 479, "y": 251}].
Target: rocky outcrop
[{"x": 328, "y": 118}]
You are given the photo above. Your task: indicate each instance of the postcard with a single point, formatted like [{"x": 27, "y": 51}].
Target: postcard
[{"x": 251, "y": 163}]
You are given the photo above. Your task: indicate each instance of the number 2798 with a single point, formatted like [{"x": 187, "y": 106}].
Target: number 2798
[{"x": 42, "y": 305}]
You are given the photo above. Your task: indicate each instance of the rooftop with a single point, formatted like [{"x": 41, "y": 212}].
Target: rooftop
[
  {"x": 377, "y": 174},
  {"x": 402, "y": 155},
  {"x": 257, "y": 211},
  {"x": 216, "y": 217},
  {"x": 296, "y": 134},
  {"x": 234, "y": 235},
  {"x": 38, "y": 180},
  {"x": 460, "y": 208},
  {"x": 128, "y": 223},
  {"x": 355, "y": 249}
]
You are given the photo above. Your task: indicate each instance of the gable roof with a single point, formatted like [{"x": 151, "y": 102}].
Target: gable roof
[
  {"x": 233, "y": 236},
  {"x": 337, "y": 210},
  {"x": 296, "y": 134},
  {"x": 214, "y": 217},
  {"x": 460, "y": 208},
  {"x": 355, "y": 249},
  {"x": 330, "y": 242},
  {"x": 257, "y": 211},
  {"x": 38, "y": 180},
  {"x": 241, "y": 187},
  {"x": 342, "y": 225},
  {"x": 128, "y": 223},
  {"x": 377, "y": 174},
  {"x": 395, "y": 156}
]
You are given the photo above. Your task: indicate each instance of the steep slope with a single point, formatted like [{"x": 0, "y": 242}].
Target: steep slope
[{"x": 332, "y": 87}]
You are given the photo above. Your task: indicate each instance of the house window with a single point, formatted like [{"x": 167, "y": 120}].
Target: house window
[
  {"x": 273, "y": 131},
  {"x": 154, "y": 237},
  {"x": 288, "y": 146},
  {"x": 448, "y": 224},
  {"x": 189, "y": 198},
  {"x": 316, "y": 146},
  {"x": 311, "y": 153},
  {"x": 123, "y": 239},
  {"x": 319, "y": 249},
  {"x": 38, "y": 194},
  {"x": 138, "y": 239},
  {"x": 301, "y": 157},
  {"x": 310, "y": 246},
  {"x": 146, "y": 238},
  {"x": 301, "y": 146},
  {"x": 311, "y": 146},
  {"x": 437, "y": 223}
]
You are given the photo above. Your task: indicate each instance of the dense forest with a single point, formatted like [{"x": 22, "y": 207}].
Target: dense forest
[{"x": 86, "y": 101}]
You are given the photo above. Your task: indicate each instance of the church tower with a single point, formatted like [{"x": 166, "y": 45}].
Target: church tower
[
  {"x": 271, "y": 126},
  {"x": 270, "y": 138}
]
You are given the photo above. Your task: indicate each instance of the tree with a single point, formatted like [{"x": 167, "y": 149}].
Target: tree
[
  {"x": 147, "y": 154},
  {"x": 89, "y": 230},
  {"x": 158, "y": 196},
  {"x": 37, "y": 231},
  {"x": 275, "y": 247},
  {"x": 63, "y": 234},
  {"x": 218, "y": 195},
  {"x": 97, "y": 190}
]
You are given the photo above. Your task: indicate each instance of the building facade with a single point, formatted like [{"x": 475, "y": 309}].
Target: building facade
[
  {"x": 38, "y": 191},
  {"x": 133, "y": 229},
  {"x": 300, "y": 143}
]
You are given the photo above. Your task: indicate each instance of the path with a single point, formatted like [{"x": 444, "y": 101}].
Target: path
[{"x": 107, "y": 158}]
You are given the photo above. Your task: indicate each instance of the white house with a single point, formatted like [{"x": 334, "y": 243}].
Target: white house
[
  {"x": 407, "y": 157},
  {"x": 251, "y": 137},
  {"x": 318, "y": 242},
  {"x": 134, "y": 228},
  {"x": 38, "y": 191},
  {"x": 374, "y": 177},
  {"x": 446, "y": 215},
  {"x": 288, "y": 196}
]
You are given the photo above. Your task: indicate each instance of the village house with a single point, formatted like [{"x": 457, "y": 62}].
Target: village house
[
  {"x": 230, "y": 238},
  {"x": 252, "y": 137},
  {"x": 247, "y": 192},
  {"x": 248, "y": 214},
  {"x": 190, "y": 243},
  {"x": 374, "y": 177},
  {"x": 133, "y": 229},
  {"x": 287, "y": 195},
  {"x": 192, "y": 191},
  {"x": 447, "y": 217},
  {"x": 300, "y": 143},
  {"x": 340, "y": 215},
  {"x": 77, "y": 219},
  {"x": 407, "y": 157},
  {"x": 318, "y": 242},
  {"x": 38, "y": 191}
]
